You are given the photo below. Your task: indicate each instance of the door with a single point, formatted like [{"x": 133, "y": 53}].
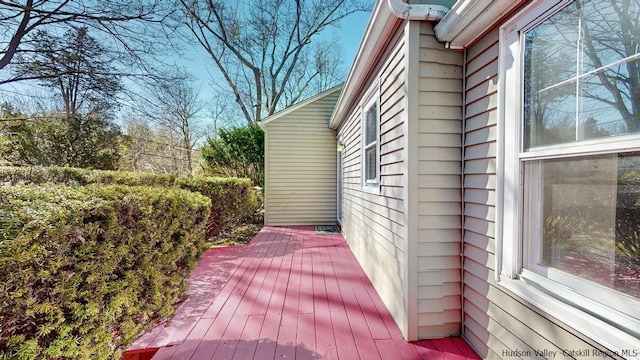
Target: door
[{"x": 340, "y": 147}]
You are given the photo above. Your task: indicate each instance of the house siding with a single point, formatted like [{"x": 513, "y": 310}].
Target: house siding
[
  {"x": 439, "y": 197},
  {"x": 300, "y": 155},
  {"x": 374, "y": 223},
  {"x": 495, "y": 320}
]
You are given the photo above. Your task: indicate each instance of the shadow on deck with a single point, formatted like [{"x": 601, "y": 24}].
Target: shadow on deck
[{"x": 289, "y": 294}]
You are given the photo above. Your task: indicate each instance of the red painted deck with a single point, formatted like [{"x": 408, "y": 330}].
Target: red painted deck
[{"x": 289, "y": 294}]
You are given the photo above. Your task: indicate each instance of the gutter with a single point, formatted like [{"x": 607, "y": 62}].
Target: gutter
[
  {"x": 424, "y": 12},
  {"x": 468, "y": 19}
]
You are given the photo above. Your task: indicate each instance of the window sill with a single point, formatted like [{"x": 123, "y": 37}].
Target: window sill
[
  {"x": 371, "y": 188},
  {"x": 604, "y": 333}
]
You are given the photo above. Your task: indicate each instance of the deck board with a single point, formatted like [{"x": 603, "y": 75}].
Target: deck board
[{"x": 289, "y": 294}]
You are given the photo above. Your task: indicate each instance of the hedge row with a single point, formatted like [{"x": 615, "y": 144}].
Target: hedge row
[
  {"x": 10, "y": 175},
  {"x": 234, "y": 200},
  {"x": 83, "y": 271}
]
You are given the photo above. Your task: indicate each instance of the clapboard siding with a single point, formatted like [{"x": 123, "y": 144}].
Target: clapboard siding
[
  {"x": 495, "y": 319},
  {"x": 300, "y": 152},
  {"x": 374, "y": 222},
  {"x": 439, "y": 181}
]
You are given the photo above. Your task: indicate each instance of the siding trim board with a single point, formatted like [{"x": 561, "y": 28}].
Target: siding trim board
[
  {"x": 412, "y": 40},
  {"x": 438, "y": 185}
]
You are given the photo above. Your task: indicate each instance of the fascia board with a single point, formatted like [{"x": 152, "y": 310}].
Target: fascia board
[{"x": 375, "y": 38}]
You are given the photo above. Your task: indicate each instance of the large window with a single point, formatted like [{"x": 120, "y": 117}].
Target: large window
[
  {"x": 571, "y": 163},
  {"x": 371, "y": 146}
]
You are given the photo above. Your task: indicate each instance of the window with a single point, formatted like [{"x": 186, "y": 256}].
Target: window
[
  {"x": 570, "y": 130},
  {"x": 371, "y": 146}
]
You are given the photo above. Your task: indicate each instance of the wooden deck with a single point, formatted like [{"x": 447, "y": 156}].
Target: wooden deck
[{"x": 289, "y": 294}]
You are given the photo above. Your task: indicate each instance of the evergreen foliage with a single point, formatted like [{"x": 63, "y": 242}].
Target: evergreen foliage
[
  {"x": 89, "y": 259},
  {"x": 233, "y": 200},
  {"x": 88, "y": 141},
  {"x": 84, "y": 270},
  {"x": 12, "y": 175},
  {"x": 237, "y": 152}
]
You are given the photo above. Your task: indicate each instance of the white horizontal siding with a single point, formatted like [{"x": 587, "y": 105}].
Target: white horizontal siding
[
  {"x": 300, "y": 179},
  {"x": 374, "y": 222}
]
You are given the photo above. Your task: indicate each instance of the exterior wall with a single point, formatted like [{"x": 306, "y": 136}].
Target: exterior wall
[
  {"x": 495, "y": 320},
  {"x": 439, "y": 182},
  {"x": 374, "y": 224},
  {"x": 407, "y": 238},
  {"x": 300, "y": 169}
]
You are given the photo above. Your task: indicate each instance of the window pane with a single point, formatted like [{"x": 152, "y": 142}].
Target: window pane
[
  {"x": 551, "y": 49},
  {"x": 590, "y": 49},
  {"x": 604, "y": 113},
  {"x": 371, "y": 125},
  {"x": 606, "y": 32},
  {"x": 583, "y": 218},
  {"x": 550, "y": 116},
  {"x": 370, "y": 163}
]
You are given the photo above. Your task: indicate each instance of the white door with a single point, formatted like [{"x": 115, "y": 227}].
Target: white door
[{"x": 339, "y": 182}]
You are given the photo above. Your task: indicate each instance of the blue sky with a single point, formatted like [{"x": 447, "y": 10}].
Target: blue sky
[
  {"x": 197, "y": 62},
  {"x": 350, "y": 33}
]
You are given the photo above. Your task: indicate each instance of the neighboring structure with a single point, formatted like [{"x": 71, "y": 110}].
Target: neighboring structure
[
  {"x": 489, "y": 173},
  {"x": 300, "y": 163}
]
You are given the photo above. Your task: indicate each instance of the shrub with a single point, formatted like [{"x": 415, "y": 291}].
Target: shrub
[
  {"x": 76, "y": 176},
  {"x": 236, "y": 152},
  {"x": 233, "y": 200},
  {"x": 83, "y": 271},
  {"x": 11, "y": 175}
]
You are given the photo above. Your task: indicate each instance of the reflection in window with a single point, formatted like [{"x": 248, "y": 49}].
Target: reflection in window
[
  {"x": 582, "y": 73},
  {"x": 587, "y": 212}
]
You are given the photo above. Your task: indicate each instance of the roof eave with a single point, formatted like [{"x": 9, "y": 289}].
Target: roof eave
[
  {"x": 299, "y": 105},
  {"x": 469, "y": 19},
  {"x": 376, "y": 35}
]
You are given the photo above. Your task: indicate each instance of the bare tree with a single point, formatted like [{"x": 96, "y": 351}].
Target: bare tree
[
  {"x": 318, "y": 70},
  {"x": 262, "y": 47},
  {"x": 223, "y": 113},
  {"x": 175, "y": 105},
  {"x": 152, "y": 148},
  {"x": 124, "y": 22}
]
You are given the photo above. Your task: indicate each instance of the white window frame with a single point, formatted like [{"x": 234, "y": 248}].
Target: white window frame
[
  {"x": 581, "y": 313},
  {"x": 371, "y": 185}
]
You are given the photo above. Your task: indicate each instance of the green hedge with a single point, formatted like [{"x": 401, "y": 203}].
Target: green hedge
[
  {"x": 233, "y": 200},
  {"x": 83, "y": 271},
  {"x": 10, "y": 175}
]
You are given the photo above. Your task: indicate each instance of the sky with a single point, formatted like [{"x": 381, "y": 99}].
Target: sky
[{"x": 350, "y": 33}]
